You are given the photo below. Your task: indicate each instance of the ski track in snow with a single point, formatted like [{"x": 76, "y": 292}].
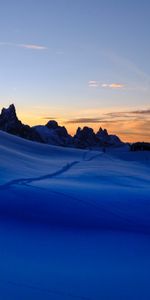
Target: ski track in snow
[
  {"x": 88, "y": 185},
  {"x": 103, "y": 198},
  {"x": 25, "y": 181},
  {"x": 64, "y": 169},
  {"x": 91, "y": 157}
]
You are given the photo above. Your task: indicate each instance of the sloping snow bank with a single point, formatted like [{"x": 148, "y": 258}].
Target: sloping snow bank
[
  {"x": 43, "y": 263},
  {"x": 74, "y": 187}
]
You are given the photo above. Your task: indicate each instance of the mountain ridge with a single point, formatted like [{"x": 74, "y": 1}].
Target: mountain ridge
[{"x": 54, "y": 134}]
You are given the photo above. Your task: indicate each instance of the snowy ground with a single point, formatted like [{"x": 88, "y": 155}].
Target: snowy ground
[{"x": 74, "y": 224}]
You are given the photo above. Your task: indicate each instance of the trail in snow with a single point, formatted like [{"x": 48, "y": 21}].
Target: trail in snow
[
  {"x": 73, "y": 236},
  {"x": 91, "y": 157},
  {"x": 64, "y": 169},
  {"x": 25, "y": 181},
  {"x": 95, "y": 187}
]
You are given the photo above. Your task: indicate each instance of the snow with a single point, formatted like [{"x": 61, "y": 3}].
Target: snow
[
  {"x": 53, "y": 134},
  {"x": 47, "y": 135},
  {"x": 74, "y": 223}
]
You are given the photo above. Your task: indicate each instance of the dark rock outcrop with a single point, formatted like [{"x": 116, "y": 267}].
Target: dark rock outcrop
[
  {"x": 54, "y": 134},
  {"x": 85, "y": 138},
  {"x": 9, "y": 122},
  {"x": 106, "y": 139},
  {"x": 140, "y": 146}
]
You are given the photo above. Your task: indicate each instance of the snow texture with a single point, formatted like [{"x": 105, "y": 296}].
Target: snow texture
[{"x": 74, "y": 224}]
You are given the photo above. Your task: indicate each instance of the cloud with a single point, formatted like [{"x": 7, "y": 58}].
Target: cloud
[
  {"x": 113, "y": 117},
  {"x": 32, "y": 46},
  {"x": 141, "y": 112},
  {"x": 130, "y": 125},
  {"x": 128, "y": 114},
  {"x": 25, "y": 46},
  {"x": 114, "y": 85},
  {"x": 129, "y": 129},
  {"x": 122, "y": 114},
  {"x": 84, "y": 120},
  {"x": 50, "y": 118},
  {"x": 94, "y": 120},
  {"x": 93, "y": 83}
]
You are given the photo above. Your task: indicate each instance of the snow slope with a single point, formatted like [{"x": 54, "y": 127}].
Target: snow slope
[
  {"x": 74, "y": 224},
  {"x": 74, "y": 187},
  {"x": 41, "y": 263}
]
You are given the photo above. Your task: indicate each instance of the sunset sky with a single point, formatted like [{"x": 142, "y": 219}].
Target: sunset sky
[{"x": 80, "y": 62}]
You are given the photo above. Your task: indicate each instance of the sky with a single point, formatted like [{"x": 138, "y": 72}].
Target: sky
[{"x": 82, "y": 63}]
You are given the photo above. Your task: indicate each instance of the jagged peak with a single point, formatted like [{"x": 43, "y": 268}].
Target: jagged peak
[
  {"x": 52, "y": 124},
  {"x": 9, "y": 113},
  {"x": 11, "y": 107},
  {"x": 102, "y": 132},
  {"x": 85, "y": 129},
  {"x": 52, "y": 131}
]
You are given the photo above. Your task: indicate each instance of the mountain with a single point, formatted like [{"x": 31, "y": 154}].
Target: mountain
[
  {"x": 10, "y": 123},
  {"x": 54, "y": 134},
  {"x": 85, "y": 138},
  {"x": 140, "y": 146},
  {"x": 106, "y": 139}
]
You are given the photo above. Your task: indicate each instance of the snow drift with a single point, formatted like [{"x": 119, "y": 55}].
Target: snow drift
[
  {"x": 55, "y": 206},
  {"x": 75, "y": 188}
]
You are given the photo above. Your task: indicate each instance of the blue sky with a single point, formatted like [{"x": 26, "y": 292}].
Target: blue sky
[{"x": 80, "y": 59}]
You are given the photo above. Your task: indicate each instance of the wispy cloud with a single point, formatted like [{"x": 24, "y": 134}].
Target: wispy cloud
[
  {"x": 32, "y": 46},
  {"x": 141, "y": 112},
  {"x": 113, "y": 85},
  {"x": 130, "y": 125},
  {"x": 84, "y": 120},
  {"x": 132, "y": 113},
  {"x": 95, "y": 120},
  {"x": 50, "y": 118},
  {"x": 93, "y": 83},
  {"x": 25, "y": 46},
  {"x": 113, "y": 117}
]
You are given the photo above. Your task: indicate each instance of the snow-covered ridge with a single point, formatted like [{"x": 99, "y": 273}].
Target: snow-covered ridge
[
  {"x": 54, "y": 134},
  {"x": 72, "y": 187}
]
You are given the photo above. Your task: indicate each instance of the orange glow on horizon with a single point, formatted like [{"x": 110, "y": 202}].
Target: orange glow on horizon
[{"x": 131, "y": 131}]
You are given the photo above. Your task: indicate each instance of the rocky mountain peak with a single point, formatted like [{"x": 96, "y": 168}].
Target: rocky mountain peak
[
  {"x": 85, "y": 137},
  {"x": 52, "y": 124},
  {"x": 9, "y": 113},
  {"x": 10, "y": 123},
  {"x": 102, "y": 132},
  {"x": 53, "y": 133}
]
